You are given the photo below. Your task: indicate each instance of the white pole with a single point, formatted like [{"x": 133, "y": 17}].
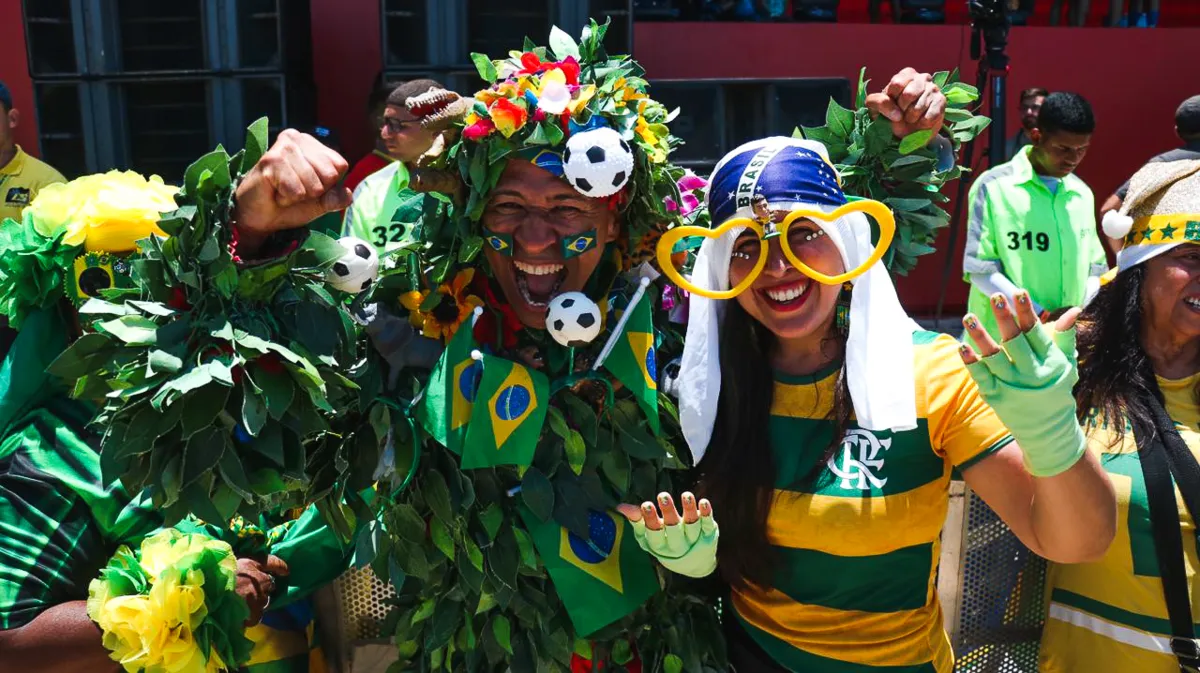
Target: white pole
[{"x": 620, "y": 328}]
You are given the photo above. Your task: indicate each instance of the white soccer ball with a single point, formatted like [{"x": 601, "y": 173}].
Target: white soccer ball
[
  {"x": 598, "y": 163},
  {"x": 357, "y": 269},
  {"x": 573, "y": 319}
]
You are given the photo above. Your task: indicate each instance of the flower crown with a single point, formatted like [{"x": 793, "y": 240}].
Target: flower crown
[{"x": 575, "y": 111}]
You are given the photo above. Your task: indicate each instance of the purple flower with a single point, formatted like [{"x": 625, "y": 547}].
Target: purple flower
[{"x": 688, "y": 185}]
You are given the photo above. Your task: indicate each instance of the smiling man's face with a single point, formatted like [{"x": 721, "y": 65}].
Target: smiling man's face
[{"x": 539, "y": 210}]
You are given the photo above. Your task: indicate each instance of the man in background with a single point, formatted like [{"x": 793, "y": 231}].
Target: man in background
[
  {"x": 1187, "y": 127},
  {"x": 378, "y": 157},
  {"x": 1031, "y": 103},
  {"x": 1032, "y": 221},
  {"x": 21, "y": 176},
  {"x": 384, "y": 211}
]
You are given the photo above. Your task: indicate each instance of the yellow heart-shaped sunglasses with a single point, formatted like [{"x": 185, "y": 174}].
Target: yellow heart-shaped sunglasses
[{"x": 876, "y": 210}]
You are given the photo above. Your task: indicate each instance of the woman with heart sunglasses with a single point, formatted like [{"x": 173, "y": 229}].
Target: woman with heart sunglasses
[{"x": 825, "y": 426}]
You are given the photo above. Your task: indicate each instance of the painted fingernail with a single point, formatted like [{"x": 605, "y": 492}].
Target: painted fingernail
[
  {"x": 964, "y": 349},
  {"x": 1022, "y": 298},
  {"x": 647, "y": 507},
  {"x": 971, "y": 322},
  {"x": 999, "y": 302}
]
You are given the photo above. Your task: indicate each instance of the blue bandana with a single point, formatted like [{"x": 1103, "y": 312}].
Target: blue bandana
[{"x": 776, "y": 172}]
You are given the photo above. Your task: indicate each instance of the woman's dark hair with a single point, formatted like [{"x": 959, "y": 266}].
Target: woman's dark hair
[
  {"x": 1116, "y": 377},
  {"x": 738, "y": 471}
]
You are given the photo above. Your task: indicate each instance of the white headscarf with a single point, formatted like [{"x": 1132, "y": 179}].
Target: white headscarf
[{"x": 879, "y": 360}]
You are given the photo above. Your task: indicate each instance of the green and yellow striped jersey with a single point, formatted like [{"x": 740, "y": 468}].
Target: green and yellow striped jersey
[
  {"x": 1110, "y": 616},
  {"x": 857, "y": 544}
]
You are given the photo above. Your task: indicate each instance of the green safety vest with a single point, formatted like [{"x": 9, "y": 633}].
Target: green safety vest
[{"x": 1043, "y": 242}]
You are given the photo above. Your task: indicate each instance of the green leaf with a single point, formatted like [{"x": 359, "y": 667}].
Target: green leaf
[
  {"x": 907, "y": 204},
  {"x": 971, "y": 128},
  {"x": 163, "y": 362},
  {"x": 491, "y": 517},
  {"x": 254, "y": 412},
  {"x": 860, "y": 96},
  {"x": 503, "y": 632},
  {"x": 216, "y": 163},
  {"x": 563, "y": 45},
  {"x": 437, "y": 496},
  {"x": 558, "y": 423},
  {"x": 483, "y": 64},
  {"x": 838, "y": 119},
  {"x": 134, "y": 330},
  {"x": 672, "y": 664},
  {"x": 96, "y": 306},
  {"x": 425, "y": 611},
  {"x": 202, "y": 453},
  {"x": 576, "y": 451},
  {"x": 234, "y": 474},
  {"x": 256, "y": 144},
  {"x": 622, "y": 653},
  {"x": 441, "y": 538},
  {"x": 407, "y": 523},
  {"x": 278, "y": 393},
  {"x": 201, "y": 409},
  {"x": 537, "y": 493},
  {"x": 583, "y": 648},
  {"x": 474, "y": 554},
  {"x": 525, "y": 547},
  {"x": 470, "y": 249},
  {"x": 486, "y": 602},
  {"x": 319, "y": 251},
  {"x": 959, "y": 93},
  {"x": 915, "y": 141}
]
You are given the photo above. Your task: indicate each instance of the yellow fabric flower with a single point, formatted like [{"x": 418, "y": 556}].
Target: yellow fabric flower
[
  {"x": 623, "y": 93},
  {"x": 451, "y": 311},
  {"x": 581, "y": 98},
  {"x": 107, "y": 212}
]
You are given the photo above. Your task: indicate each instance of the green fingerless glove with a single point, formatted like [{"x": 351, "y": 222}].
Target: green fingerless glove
[
  {"x": 1029, "y": 385},
  {"x": 685, "y": 548}
]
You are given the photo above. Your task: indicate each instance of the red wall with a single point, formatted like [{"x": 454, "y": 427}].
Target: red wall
[
  {"x": 347, "y": 55},
  {"x": 14, "y": 72},
  {"x": 1134, "y": 79}
]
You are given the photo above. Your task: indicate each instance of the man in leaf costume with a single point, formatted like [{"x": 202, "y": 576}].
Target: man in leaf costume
[
  {"x": 505, "y": 547},
  {"x": 63, "y": 512}
]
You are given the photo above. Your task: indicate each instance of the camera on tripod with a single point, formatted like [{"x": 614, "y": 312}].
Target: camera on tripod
[{"x": 989, "y": 21}]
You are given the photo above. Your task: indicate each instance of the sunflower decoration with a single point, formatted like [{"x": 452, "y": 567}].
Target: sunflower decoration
[{"x": 439, "y": 313}]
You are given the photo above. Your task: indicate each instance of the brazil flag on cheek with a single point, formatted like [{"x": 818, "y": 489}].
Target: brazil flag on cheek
[{"x": 507, "y": 415}]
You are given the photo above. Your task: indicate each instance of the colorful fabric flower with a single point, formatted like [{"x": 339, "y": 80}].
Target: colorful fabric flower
[
  {"x": 531, "y": 64},
  {"x": 172, "y": 608},
  {"x": 570, "y": 70},
  {"x": 505, "y": 89},
  {"x": 508, "y": 116},
  {"x": 108, "y": 212},
  {"x": 553, "y": 96},
  {"x": 580, "y": 98},
  {"x": 451, "y": 311},
  {"x": 481, "y": 128},
  {"x": 624, "y": 93},
  {"x": 688, "y": 185}
]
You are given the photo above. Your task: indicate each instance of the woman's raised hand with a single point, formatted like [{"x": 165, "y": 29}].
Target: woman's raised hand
[
  {"x": 1028, "y": 379},
  {"x": 684, "y": 544}
]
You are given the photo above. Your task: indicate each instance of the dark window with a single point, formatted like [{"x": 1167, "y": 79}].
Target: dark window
[{"x": 150, "y": 85}]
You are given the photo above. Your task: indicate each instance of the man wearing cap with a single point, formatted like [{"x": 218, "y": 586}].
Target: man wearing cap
[
  {"x": 21, "y": 176},
  {"x": 384, "y": 211},
  {"x": 1187, "y": 127}
]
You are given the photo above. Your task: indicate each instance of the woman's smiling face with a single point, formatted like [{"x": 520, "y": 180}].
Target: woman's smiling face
[{"x": 782, "y": 299}]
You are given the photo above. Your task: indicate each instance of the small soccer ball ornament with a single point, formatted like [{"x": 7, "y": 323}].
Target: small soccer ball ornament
[
  {"x": 573, "y": 319},
  {"x": 357, "y": 269},
  {"x": 598, "y": 163}
]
